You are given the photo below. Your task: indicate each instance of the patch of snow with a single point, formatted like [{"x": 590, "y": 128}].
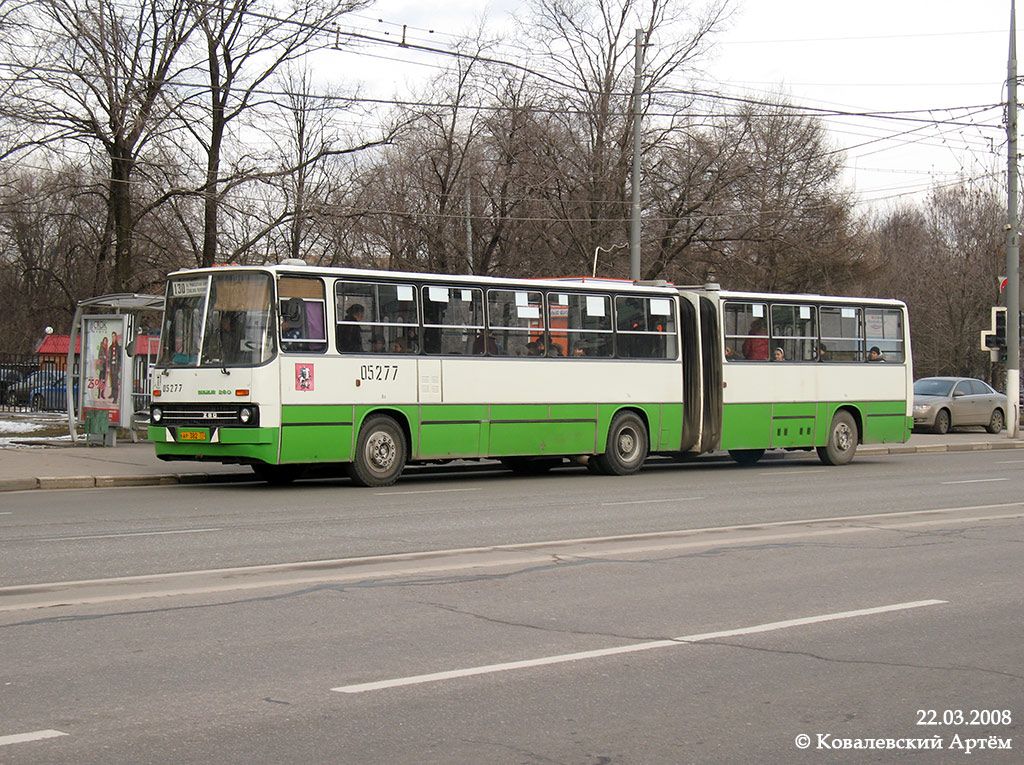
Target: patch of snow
[{"x": 11, "y": 426}]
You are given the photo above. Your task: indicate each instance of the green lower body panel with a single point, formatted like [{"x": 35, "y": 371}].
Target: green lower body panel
[
  {"x": 746, "y": 426},
  {"x": 803, "y": 425},
  {"x": 538, "y": 429},
  {"x": 316, "y": 433},
  {"x": 448, "y": 432},
  {"x": 328, "y": 433}
]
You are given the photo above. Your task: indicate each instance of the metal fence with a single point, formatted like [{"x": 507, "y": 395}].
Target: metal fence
[{"x": 29, "y": 382}]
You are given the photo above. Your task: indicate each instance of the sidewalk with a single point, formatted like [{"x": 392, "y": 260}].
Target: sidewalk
[
  {"x": 56, "y": 464},
  {"x": 36, "y": 464}
]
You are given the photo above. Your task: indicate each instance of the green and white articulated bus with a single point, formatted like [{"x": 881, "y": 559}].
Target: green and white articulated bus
[{"x": 289, "y": 366}]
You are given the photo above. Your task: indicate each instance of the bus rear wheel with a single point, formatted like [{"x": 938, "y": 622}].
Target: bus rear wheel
[
  {"x": 627, "y": 446},
  {"x": 380, "y": 453},
  {"x": 842, "y": 440},
  {"x": 746, "y": 456}
]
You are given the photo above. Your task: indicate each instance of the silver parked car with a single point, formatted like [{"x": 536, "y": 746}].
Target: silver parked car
[{"x": 941, "y": 403}]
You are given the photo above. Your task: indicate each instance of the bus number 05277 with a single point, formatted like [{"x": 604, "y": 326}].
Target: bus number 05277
[{"x": 378, "y": 372}]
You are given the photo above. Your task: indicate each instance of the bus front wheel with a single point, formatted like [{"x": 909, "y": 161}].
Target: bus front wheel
[
  {"x": 380, "y": 453},
  {"x": 842, "y": 440},
  {"x": 627, "y": 445}
]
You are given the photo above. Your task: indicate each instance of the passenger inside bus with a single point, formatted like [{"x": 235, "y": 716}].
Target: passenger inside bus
[
  {"x": 350, "y": 339},
  {"x": 756, "y": 348}
]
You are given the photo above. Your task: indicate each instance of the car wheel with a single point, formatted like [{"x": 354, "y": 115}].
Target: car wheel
[
  {"x": 12, "y": 400},
  {"x": 842, "y": 440},
  {"x": 746, "y": 456},
  {"x": 380, "y": 453},
  {"x": 627, "y": 445},
  {"x": 996, "y": 424},
  {"x": 942, "y": 422},
  {"x": 37, "y": 402}
]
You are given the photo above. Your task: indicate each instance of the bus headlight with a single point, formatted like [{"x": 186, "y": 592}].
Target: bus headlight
[
  {"x": 245, "y": 414},
  {"x": 155, "y": 414}
]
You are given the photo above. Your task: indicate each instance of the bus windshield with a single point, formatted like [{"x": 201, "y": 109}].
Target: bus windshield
[{"x": 218, "y": 320}]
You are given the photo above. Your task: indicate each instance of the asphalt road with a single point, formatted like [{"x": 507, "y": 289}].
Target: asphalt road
[{"x": 694, "y": 613}]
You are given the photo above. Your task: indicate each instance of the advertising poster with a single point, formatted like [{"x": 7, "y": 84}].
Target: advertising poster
[{"x": 104, "y": 367}]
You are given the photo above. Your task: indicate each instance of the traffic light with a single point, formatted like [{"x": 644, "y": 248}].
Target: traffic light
[{"x": 997, "y": 338}]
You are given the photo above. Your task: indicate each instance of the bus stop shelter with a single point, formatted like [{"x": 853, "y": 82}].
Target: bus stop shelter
[{"x": 105, "y": 394}]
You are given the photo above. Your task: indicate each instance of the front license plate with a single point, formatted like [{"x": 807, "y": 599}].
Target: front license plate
[{"x": 191, "y": 435}]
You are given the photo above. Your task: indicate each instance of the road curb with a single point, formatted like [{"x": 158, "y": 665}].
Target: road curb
[
  {"x": 172, "y": 479},
  {"x": 113, "y": 481},
  {"x": 18, "y": 484}
]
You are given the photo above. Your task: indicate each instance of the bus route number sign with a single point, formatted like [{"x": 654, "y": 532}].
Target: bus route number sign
[{"x": 380, "y": 372}]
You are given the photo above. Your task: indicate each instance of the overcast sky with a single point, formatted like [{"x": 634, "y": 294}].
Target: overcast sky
[{"x": 938, "y": 56}]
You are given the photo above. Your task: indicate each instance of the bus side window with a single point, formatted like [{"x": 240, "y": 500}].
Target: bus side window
[
  {"x": 453, "y": 319},
  {"x": 645, "y": 327},
  {"x": 303, "y": 313},
  {"x": 746, "y": 331},
  {"x": 842, "y": 333},
  {"x": 513, "y": 320},
  {"x": 884, "y": 328},
  {"x": 795, "y": 330},
  {"x": 581, "y": 324}
]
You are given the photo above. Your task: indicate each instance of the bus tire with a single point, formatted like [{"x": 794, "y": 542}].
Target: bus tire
[
  {"x": 627, "y": 445},
  {"x": 380, "y": 453},
  {"x": 842, "y": 440},
  {"x": 746, "y": 457},
  {"x": 277, "y": 475}
]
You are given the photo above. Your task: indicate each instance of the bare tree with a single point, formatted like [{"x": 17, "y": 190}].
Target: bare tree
[
  {"x": 790, "y": 218},
  {"x": 944, "y": 260},
  {"x": 94, "y": 75},
  {"x": 51, "y": 226},
  {"x": 245, "y": 46},
  {"x": 589, "y": 49}
]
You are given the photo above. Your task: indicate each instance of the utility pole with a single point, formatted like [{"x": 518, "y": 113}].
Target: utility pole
[
  {"x": 1012, "y": 241},
  {"x": 469, "y": 228},
  {"x": 634, "y": 229}
]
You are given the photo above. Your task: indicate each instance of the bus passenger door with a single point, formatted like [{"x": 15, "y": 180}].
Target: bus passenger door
[
  {"x": 711, "y": 377},
  {"x": 690, "y": 341}
]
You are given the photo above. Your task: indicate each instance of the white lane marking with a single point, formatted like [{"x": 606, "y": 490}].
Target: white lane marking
[
  {"x": 6, "y": 513},
  {"x": 423, "y": 491},
  {"x": 126, "y": 534},
  {"x": 822, "y": 469},
  {"x": 1010, "y": 462},
  {"x": 974, "y": 480},
  {"x": 598, "y": 653},
  {"x": 651, "y": 501},
  {"x": 21, "y": 738}
]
